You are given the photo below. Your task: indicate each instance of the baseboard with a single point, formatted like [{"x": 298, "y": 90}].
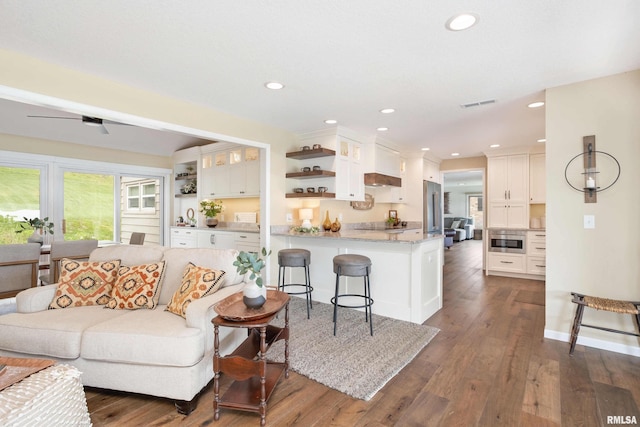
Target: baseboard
[{"x": 593, "y": 342}]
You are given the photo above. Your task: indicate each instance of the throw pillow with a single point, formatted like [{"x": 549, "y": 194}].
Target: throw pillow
[
  {"x": 136, "y": 286},
  {"x": 84, "y": 283},
  {"x": 455, "y": 224},
  {"x": 197, "y": 282}
]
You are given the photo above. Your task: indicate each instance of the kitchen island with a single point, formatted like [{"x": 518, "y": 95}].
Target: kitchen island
[{"x": 406, "y": 272}]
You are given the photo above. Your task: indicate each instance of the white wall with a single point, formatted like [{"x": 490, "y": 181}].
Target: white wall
[{"x": 604, "y": 261}]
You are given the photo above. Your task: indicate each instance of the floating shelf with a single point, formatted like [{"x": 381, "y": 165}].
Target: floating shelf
[
  {"x": 186, "y": 195},
  {"x": 324, "y": 195},
  {"x": 311, "y": 154},
  {"x": 311, "y": 174},
  {"x": 187, "y": 177}
]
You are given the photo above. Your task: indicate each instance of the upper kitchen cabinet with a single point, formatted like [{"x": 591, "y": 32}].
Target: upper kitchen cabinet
[
  {"x": 230, "y": 172},
  {"x": 431, "y": 171},
  {"x": 508, "y": 191},
  {"x": 537, "y": 178},
  {"x": 349, "y": 174}
]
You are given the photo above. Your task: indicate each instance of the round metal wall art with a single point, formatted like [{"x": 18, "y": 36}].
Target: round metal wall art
[{"x": 576, "y": 164}]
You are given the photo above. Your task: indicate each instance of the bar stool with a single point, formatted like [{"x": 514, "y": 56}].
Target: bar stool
[
  {"x": 296, "y": 258},
  {"x": 354, "y": 266}
]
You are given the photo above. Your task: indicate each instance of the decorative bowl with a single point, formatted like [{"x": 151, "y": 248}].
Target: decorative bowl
[
  {"x": 311, "y": 190},
  {"x": 317, "y": 146},
  {"x": 322, "y": 189},
  {"x": 298, "y": 190},
  {"x": 306, "y": 148},
  {"x": 316, "y": 168}
]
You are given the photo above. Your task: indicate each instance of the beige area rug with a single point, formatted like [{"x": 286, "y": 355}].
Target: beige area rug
[{"x": 353, "y": 362}]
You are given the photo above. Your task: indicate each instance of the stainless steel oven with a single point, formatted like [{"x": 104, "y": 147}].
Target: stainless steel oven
[{"x": 510, "y": 241}]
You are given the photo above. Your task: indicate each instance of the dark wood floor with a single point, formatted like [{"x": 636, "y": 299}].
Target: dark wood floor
[{"x": 489, "y": 366}]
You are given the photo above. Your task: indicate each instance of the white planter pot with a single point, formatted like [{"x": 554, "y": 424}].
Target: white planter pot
[{"x": 254, "y": 296}]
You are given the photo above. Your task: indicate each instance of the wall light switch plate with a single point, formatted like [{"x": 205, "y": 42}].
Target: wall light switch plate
[
  {"x": 289, "y": 217},
  {"x": 589, "y": 221}
]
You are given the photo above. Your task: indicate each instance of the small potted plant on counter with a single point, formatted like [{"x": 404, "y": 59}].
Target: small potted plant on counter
[
  {"x": 211, "y": 208},
  {"x": 254, "y": 292}
]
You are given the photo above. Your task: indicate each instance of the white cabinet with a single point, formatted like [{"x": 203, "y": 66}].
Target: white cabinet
[
  {"x": 248, "y": 242},
  {"x": 537, "y": 179},
  {"x": 536, "y": 252},
  {"x": 231, "y": 173},
  {"x": 508, "y": 190},
  {"x": 431, "y": 171},
  {"x": 349, "y": 174},
  {"x": 394, "y": 194},
  {"x": 183, "y": 237},
  {"x": 507, "y": 263},
  {"x": 216, "y": 239}
]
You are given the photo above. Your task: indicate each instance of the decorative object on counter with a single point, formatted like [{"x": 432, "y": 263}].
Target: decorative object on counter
[
  {"x": 368, "y": 203},
  {"x": 585, "y": 178},
  {"x": 254, "y": 293},
  {"x": 211, "y": 208},
  {"x": 39, "y": 226},
  {"x": 327, "y": 222},
  {"x": 311, "y": 230},
  {"x": 306, "y": 215},
  {"x": 336, "y": 225}
]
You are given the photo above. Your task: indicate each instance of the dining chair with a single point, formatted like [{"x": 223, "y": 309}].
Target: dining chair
[
  {"x": 18, "y": 268},
  {"x": 137, "y": 238},
  {"x": 71, "y": 249}
]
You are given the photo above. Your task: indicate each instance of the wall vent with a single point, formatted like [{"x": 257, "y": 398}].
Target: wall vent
[{"x": 478, "y": 104}]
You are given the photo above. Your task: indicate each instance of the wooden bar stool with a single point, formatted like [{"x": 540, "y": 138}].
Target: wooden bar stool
[
  {"x": 354, "y": 266},
  {"x": 296, "y": 258},
  {"x": 616, "y": 306}
]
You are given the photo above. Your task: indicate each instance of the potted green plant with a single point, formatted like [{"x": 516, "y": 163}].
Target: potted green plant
[
  {"x": 38, "y": 226},
  {"x": 211, "y": 208},
  {"x": 254, "y": 292}
]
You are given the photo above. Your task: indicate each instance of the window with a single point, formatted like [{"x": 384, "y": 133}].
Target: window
[
  {"x": 19, "y": 199},
  {"x": 141, "y": 196}
]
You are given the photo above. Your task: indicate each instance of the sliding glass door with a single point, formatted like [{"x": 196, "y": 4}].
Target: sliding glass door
[
  {"x": 89, "y": 206},
  {"x": 19, "y": 199}
]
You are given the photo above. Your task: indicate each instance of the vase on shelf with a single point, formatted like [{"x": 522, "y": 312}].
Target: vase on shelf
[
  {"x": 254, "y": 296},
  {"x": 36, "y": 238},
  {"x": 211, "y": 222},
  {"x": 327, "y": 222}
]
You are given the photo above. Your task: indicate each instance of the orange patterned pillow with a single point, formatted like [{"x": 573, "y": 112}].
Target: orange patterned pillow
[
  {"x": 197, "y": 282},
  {"x": 136, "y": 286},
  {"x": 84, "y": 283}
]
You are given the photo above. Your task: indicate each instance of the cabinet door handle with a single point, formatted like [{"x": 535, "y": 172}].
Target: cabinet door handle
[
  {"x": 541, "y": 266},
  {"x": 542, "y": 249},
  {"x": 212, "y": 239},
  {"x": 182, "y": 244},
  {"x": 506, "y": 262},
  {"x": 242, "y": 237},
  {"x": 505, "y": 194},
  {"x": 509, "y": 194}
]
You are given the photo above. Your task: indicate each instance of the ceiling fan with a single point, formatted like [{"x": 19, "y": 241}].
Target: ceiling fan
[{"x": 87, "y": 120}]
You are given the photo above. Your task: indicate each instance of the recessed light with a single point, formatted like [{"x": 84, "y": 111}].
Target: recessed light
[
  {"x": 536, "y": 104},
  {"x": 542, "y": 140},
  {"x": 461, "y": 21},
  {"x": 274, "y": 85},
  {"x": 382, "y": 129},
  {"x": 426, "y": 149},
  {"x": 387, "y": 110},
  {"x": 331, "y": 121},
  {"x": 494, "y": 146},
  {"x": 455, "y": 154}
]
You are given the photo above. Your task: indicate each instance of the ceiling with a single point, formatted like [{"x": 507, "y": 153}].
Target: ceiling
[{"x": 337, "y": 60}]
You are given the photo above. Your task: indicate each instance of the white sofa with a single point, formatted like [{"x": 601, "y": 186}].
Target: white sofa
[{"x": 152, "y": 352}]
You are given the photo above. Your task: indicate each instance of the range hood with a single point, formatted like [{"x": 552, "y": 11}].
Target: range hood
[{"x": 381, "y": 180}]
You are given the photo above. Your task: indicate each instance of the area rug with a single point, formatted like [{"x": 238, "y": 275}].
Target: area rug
[{"x": 353, "y": 361}]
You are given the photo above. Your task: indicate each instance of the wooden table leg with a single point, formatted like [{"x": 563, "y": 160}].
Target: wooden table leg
[{"x": 216, "y": 375}]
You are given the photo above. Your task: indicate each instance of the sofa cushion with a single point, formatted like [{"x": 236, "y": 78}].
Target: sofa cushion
[
  {"x": 52, "y": 333},
  {"x": 128, "y": 254},
  {"x": 455, "y": 224},
  {"x": 178, "y": 258},
  {"x": 448, "y": 221},
  {"x": 148, "y": 337},
  {"x": 197, "y": 282},
  {"x": 84, "y": 283},
  {"x": 137, "y": 286}
]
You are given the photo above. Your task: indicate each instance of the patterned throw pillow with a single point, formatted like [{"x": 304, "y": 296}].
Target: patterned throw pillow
[
  {"x": 84, "y": 283},
  {"x": 197, "y": 282},
  {"x": 136, "y": 286}
]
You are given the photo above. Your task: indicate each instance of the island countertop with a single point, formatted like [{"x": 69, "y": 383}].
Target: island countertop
[{"x": 410, "y": 236}]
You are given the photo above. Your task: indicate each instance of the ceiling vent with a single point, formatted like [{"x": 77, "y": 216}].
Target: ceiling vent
[{"x": 478, "y": 104}]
